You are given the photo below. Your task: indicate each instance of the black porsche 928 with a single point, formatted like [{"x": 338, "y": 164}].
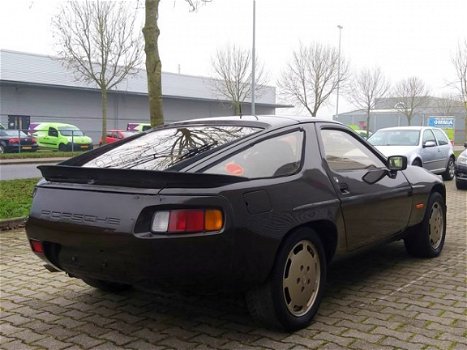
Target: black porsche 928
[{"x": 259, "y": 205}]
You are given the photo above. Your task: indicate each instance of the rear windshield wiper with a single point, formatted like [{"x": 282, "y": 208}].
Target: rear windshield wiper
[{"x": 194, "y": 151}]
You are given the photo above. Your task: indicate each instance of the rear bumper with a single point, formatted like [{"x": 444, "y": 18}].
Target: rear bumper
[
  {"x": 79, "y": 147},
  {"x": 203, "y": 261},
  {"x": 461, "y": 172},
  {"x": 24, "y": 148}
]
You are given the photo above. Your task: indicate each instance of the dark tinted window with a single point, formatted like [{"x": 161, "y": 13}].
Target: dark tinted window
[
  {"x": 277, "y": 156},
  {"x": 163, "y": 149}
]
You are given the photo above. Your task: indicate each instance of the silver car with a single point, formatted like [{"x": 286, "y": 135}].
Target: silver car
[{"x": 423, "y": 146}]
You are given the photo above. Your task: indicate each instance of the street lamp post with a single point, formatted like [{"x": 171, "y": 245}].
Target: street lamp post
[
  {"x": 253, "y": 58},
  {"x": 338, "y": 71}
]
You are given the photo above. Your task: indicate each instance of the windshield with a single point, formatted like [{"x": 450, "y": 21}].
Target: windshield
[
  {"x": 395, "y": 138},
  {"x": 162, "y": 149},
  {"x": 70, "y": 131}
]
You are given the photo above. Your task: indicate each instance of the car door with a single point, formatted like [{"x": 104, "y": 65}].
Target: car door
[
  {"x": 444, "y": 148},
  {"x": 429, "y": 150},
  {"x": 372, "y": 212},
  {"x": 51, "y": 138}
]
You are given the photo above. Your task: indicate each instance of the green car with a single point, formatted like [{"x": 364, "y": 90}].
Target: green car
[{"x": 63, "y": 137}]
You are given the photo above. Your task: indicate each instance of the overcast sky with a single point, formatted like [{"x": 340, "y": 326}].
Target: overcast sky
[{"x": 404, "y": 37}]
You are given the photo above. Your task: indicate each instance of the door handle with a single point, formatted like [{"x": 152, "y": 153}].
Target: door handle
[{"x": 344, "y": 188}]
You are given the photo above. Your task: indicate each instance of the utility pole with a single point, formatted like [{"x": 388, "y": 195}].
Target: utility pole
[
  {"x": 338, "y": 71},
  {"x": 253, "y": 59}
]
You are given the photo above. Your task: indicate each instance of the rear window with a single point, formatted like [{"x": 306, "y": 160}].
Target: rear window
[
  {"x": 274, "y": 157},
  {"x": 169, "y": 148}
]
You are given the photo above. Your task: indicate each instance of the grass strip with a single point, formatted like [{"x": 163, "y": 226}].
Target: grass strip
[{"x": 16, "y": 197}]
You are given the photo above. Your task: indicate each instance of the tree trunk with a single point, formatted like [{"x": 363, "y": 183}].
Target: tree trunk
[
  {"x": 104, "y": 113},
  {"x": 153, "y": 62}
]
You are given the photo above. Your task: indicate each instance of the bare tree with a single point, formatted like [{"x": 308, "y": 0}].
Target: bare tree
[
  {"x": 151, "y": 33},
  {"x": 460, "y": 64},
  {"x": 98, "y": 41},
  {"x": 368, "y": 86},
  {"x": 232, "y": 69},
  {"x": 447, "y": 104},
  {"x": 412, "y": 94},
  {"x": 312, "y": 76}
]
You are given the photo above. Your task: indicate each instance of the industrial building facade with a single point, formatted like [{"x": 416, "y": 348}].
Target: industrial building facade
[
  {"x": 386, "y": 115},
  {"x": 37, "y": 88}
]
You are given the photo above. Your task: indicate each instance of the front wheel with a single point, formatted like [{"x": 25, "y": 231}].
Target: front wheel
[
  {"x": 426, "y": 240},
  {"x": 449, "y": 173},
  {"x": 291, "y": 296},
  {"x": 2, "y": 149}
]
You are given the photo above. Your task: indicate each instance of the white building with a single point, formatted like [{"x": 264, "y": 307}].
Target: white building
[{"x": 36, "y": 88}]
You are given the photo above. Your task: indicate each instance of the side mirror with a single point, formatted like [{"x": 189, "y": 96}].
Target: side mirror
[
  {"x": 396, "y": 163},
  {"x": 429, "y": 144}
]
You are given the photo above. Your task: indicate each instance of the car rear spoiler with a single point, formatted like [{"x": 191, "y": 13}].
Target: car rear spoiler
[{"x": 134, "y": 178}]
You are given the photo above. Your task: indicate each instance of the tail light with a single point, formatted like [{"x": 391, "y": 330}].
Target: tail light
[
  {"x": 36, "y": 246},
  {"x": 13, "y": 140},
  {"x": 187, "y": 221}
]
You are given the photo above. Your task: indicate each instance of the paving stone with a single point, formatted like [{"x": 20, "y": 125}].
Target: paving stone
[
  {"x": 52, "y": 343},
  {"x": 377, "y": 300}
]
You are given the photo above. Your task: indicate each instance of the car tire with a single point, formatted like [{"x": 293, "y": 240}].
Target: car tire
[
  {"x": 291, "y": 296},
  {"x": 417, "y": 162},
  {"x": 450, "y": 169},
  {"x": 62, "y": 147},
  {"x": 112, "y": 287},
  {"x": 2, "y": 149},
  {"x": 426, "y": 240}
]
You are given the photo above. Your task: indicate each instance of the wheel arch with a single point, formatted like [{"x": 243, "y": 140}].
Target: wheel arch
[
  {"x": 326, "y": 231},
  {"x": 417, "y": 158},
  {"x": 441, "y": 189}
]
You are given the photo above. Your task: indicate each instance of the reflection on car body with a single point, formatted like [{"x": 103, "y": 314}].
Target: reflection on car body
[{"x": 259, "y": 205}]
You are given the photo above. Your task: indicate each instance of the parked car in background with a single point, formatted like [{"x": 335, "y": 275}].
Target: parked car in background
[
  {"x": 16, "y": 141},
  {"x": 63, "y": 137},
  {"x": 423, "y": 146},
  {"x": 116, "y": 135},
  {"x": 140, "y": 127},
  {"x": 259, "y": 205},
  {"x": 461, "y": 169}
]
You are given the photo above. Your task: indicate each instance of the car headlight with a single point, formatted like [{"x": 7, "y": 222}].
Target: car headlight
[{"x": 462, "y": 160}]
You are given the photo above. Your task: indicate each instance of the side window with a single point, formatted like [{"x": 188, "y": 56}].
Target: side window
[
  {"x": 345, "y": 152},
  {"x": 442, "y": 139},
  {"x": 428, "y": 136},
  {"x": 277, "y": 156},
  {"x": 53, "y": 132}
]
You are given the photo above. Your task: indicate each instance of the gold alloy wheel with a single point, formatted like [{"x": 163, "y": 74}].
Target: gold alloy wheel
[
  {"x": 436, "y": 225},
  {"x": 301, "y": 278}
]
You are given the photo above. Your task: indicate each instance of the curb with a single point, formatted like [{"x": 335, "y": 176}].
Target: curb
[
  {"x": 30, "y": 161},
  {"x": 11, "y": 224}
]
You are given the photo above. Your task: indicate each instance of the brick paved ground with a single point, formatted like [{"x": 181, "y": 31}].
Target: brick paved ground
[{"x": 381, "y": 300}]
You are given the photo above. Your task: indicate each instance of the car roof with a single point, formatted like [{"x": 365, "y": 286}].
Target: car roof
[{"x": 53, "y": 124}]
